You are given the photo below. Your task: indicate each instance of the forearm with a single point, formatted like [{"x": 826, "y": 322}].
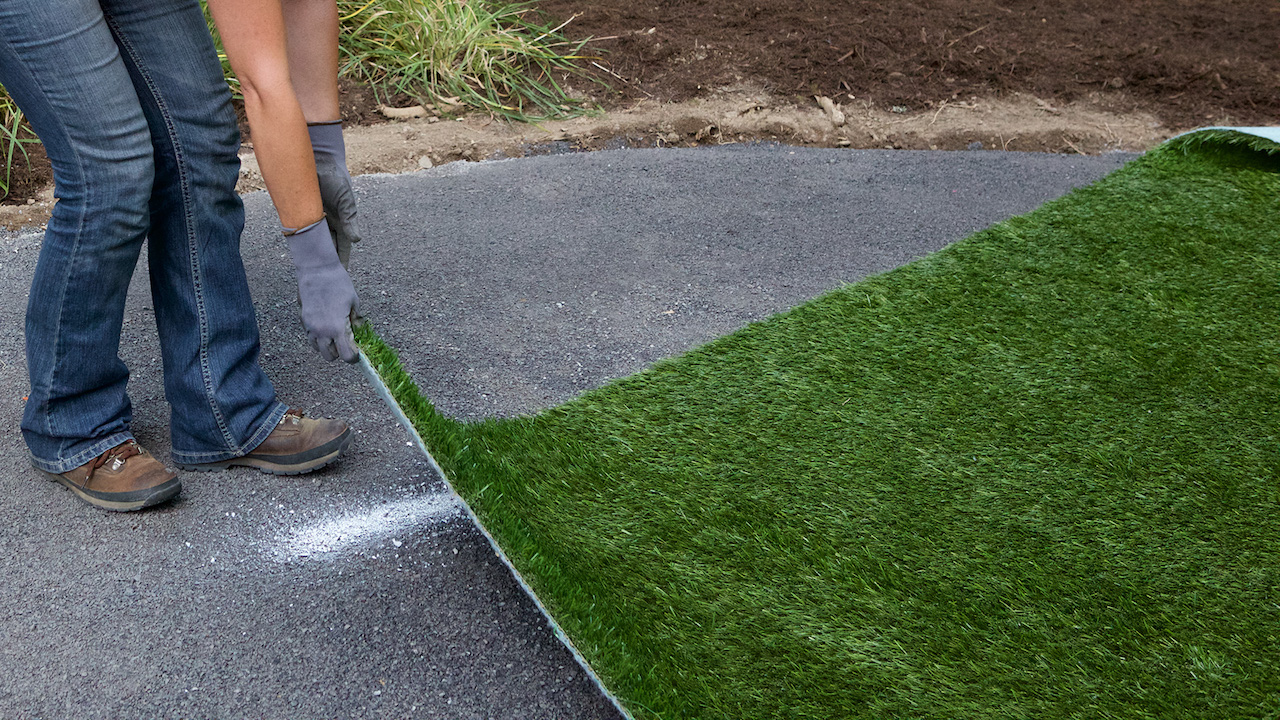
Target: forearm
[
  {"x": 312, "y": 30},
  {"x": 253, "y": 34},
  {"x": 283, "y": 151}
]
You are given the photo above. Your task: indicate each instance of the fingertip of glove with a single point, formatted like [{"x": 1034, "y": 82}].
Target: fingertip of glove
[
  {"x": 349, "y": 353},
  {"x": 326, "y": 351}
]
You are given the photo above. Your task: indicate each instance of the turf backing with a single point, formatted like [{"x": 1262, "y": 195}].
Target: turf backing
[{"x": 1035, "y": 474}]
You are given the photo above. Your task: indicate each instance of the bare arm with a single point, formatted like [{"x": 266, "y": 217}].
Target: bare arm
[
  {"x": 254, "y": 35},
  {"x": 312, "y": 30}
]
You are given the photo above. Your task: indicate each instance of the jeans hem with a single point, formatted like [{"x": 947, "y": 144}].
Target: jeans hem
[
  {"x": 265, "y": 429},
  {"x": 57, "y": 467}
]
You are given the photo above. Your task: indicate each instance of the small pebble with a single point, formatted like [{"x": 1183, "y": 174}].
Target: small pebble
[{"x": 424, "y": 162}]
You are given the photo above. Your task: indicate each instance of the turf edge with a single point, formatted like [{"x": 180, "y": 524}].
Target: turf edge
[{"x": 382, "y": 367}]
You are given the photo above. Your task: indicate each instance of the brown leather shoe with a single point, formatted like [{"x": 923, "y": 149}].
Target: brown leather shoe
[
  {"x": 124, "y": 478},
  {"x": 297, "y": 445}
]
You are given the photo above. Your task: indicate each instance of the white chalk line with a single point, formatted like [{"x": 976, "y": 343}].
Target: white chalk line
[{"x": 378, "y": 524}]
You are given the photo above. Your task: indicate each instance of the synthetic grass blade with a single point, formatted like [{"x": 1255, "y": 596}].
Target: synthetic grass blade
[{"x": 1036, "y": 474}]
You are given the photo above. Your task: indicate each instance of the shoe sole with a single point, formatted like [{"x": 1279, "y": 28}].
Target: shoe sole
[
  {"x": 316, "y": 458},
  {"x": 122, "y": 502}
]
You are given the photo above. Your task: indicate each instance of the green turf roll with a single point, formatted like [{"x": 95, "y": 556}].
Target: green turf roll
[{"x": 1033, "y": 475}]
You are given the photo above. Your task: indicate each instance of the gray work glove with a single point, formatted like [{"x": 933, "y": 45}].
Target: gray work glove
[
  {"x": 335, "y": 186},
  {"x": 328, "y": 298}
]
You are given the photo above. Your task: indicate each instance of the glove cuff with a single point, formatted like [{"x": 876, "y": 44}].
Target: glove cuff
[
  {"x": 291, "y": 231},
  {"x": 326, "y": 140},
  {"x": 312, "y": 247}
]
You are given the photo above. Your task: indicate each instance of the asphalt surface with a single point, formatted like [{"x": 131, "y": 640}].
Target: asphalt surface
[{"x": 362, "y": 590}]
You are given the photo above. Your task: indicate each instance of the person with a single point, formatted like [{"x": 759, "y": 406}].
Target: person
[{"x": 129, "y": 100}]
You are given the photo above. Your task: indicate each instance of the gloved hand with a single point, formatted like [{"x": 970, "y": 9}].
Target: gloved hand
[
  {"x": 335, "y": 186},
  {"x": 328, "y": 298}
]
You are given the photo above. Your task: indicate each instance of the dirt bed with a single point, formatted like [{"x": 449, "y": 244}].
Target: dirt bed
[
  {"x": 1083, "y": 76},
  {"x": 1184, "y": 62}
]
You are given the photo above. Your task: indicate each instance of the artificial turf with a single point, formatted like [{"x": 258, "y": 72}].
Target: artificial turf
[{"x": 1034, "y": 475}]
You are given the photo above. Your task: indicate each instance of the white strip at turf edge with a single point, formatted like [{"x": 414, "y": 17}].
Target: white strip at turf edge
[
  {"x": 385, "y": 393},
  {"x": 1267, "y": 133}
]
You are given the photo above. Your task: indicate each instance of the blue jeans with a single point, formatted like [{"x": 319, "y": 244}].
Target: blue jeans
[{"x": 129, "y": 101}]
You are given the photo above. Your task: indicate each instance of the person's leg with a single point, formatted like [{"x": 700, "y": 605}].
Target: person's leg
[
  {"x": 224, "y": 408},
  {"x": 58, "y": 61},
  {"x": 223, "y": 405}
]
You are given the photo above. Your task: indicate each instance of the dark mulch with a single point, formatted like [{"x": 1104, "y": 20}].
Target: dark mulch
[{"x": 1186, "y": 62}]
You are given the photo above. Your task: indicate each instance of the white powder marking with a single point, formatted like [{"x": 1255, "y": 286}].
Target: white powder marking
[{"x": 371, "y": 526}]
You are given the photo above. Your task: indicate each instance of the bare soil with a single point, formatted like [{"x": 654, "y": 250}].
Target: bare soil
[
  {"x": 1081, "y": 76},
  {"x": 1186, "y": 62},
  {"x": 741, "y": 116}
]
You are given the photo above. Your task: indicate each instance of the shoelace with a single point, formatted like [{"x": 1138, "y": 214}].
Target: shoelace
[
  {"x": 292, "y": 413},
  {"x": 119, "y": 454}
]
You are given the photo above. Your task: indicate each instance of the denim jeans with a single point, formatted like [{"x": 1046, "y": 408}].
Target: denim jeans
[{"x": 129, "y": 101}]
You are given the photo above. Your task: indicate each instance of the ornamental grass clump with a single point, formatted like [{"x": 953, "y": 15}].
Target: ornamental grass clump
[
  {"x": 14, "y": 135},
  {"x": 10, "y": 122},
  {"x": 491, "y": 56}
]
